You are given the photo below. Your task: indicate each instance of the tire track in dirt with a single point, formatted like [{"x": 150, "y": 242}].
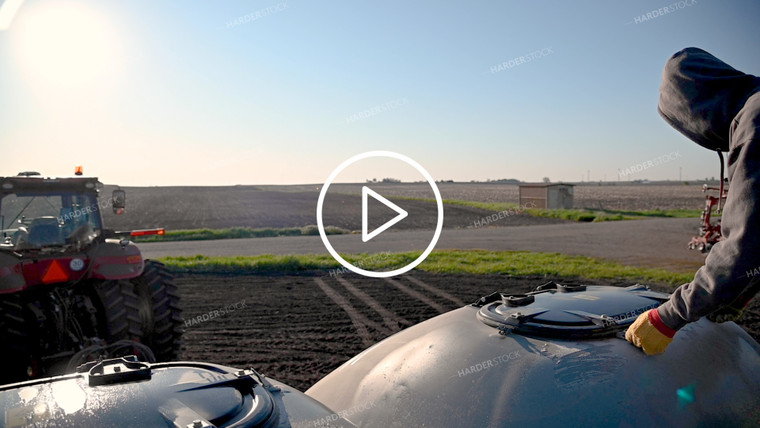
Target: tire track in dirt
[
  {"x": 417, "y": 295},
  {"x": 437, "y": 291},
  {"x": 392, "y": 320},
  {"x": 359, "y": 321}
]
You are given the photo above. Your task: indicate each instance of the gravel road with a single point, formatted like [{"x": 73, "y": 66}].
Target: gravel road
[{"x": 657, "y": 242}]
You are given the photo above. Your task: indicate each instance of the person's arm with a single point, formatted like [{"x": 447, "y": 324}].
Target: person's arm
[{"x": 734, "y": 261}]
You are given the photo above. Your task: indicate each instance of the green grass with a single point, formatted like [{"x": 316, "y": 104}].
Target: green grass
[
  {"x": 584, "y": 215},
  {"x": 611, "y": 215},
  {"x": 237, "y": 232},
  {"x": 513, "y": 263},
  {"x": 266, "y": 264}
]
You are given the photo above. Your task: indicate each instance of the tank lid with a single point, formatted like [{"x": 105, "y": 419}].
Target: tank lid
[
  {"x": 126, "y": 392},
  {"x": 568, "y": 311}
]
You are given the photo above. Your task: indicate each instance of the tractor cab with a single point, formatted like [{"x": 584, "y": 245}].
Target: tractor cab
[{"x": 52, "y": 213}]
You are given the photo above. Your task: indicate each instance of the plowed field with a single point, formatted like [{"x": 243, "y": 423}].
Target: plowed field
[{"x": 299, "y": 328}]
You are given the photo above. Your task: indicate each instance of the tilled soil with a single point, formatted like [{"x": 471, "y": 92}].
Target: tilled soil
[
  {"x": 298, "y": 328},
  {"x": 295, "y": 206},
  {"x": 248, "y": 206}
]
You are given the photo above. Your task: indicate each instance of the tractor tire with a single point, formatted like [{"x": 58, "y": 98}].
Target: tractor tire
[
  {"x": 159, "y": 310},
  {"x": 119, "y": 314},
  {"x": 14, "y": 340}
]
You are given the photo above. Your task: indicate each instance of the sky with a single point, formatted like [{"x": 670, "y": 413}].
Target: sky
[{"x": 145, "y": 93}]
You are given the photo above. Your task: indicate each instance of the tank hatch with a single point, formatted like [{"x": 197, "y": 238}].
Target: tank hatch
[
  {"x": 568, "y": 311},
  {"x": 124, "y": 392}
]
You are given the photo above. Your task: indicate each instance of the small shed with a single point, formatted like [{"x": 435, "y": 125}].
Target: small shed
[{"x": 547, "y": 195}]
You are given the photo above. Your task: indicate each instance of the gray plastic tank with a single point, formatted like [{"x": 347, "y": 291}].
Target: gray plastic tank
[
  {"x": 122, "y": 392},
  {"x": 553, "y": 357}
]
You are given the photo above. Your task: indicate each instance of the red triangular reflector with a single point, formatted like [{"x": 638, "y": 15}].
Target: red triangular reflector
[{"x": 55, "y": 273}]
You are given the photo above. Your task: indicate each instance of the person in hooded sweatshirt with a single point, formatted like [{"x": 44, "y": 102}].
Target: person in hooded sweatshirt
[{"x": 717, "y": 107}]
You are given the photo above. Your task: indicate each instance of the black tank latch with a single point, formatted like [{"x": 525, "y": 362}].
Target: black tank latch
[
  {"x": 551, "y": 285},
  {"x": 115, "y": 370}
]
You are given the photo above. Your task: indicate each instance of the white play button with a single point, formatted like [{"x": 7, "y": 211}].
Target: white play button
[
  {"x": 346, "y": 241},
  {"x": 365, "y": 214}
]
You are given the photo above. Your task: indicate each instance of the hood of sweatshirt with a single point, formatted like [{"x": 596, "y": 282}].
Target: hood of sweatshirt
[{"x": 700, "y": 95}]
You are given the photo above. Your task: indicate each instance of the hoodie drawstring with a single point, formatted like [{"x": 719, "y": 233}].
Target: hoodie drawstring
[{"x": 720, "y": 195}]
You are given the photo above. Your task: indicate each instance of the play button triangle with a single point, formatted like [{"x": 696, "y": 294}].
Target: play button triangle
[{"x": 366, "y": 191}]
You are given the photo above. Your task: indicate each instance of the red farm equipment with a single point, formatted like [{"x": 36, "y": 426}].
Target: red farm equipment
[
  {"x": 72, "y": 291},
  {"x": 709, "y": 232}
]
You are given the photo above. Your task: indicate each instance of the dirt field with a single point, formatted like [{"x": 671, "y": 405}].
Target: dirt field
[
  {"x": 615, "y": 196},
  {"x": 247, "y": 206},
  {"x": 298, "y": 328},
  {"x": 295, "y": 206}
]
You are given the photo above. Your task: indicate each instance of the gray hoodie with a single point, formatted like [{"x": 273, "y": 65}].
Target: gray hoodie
[{"x": 718, "y": 107}]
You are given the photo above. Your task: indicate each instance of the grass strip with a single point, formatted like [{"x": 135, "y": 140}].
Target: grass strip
[
  {"x": 582, "y": 215},
  {"x": 513, "y": 263},
  {"x": 237, "y": 233}
]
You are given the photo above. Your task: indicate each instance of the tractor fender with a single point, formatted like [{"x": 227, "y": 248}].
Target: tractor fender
[
  {"x": 11, "y": 274},
  {"x": 114, "y": 260}
]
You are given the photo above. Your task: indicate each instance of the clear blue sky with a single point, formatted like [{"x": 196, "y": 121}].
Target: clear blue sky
[{"x": 176, "y": 93}]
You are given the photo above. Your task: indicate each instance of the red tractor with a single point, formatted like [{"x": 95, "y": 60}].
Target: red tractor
[
  {"x": 709, "y": 233},
  {"x": 72, "y": 291}
]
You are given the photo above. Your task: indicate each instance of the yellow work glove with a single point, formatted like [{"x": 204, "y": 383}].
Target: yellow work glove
[{"x": 649, "y": 333}]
